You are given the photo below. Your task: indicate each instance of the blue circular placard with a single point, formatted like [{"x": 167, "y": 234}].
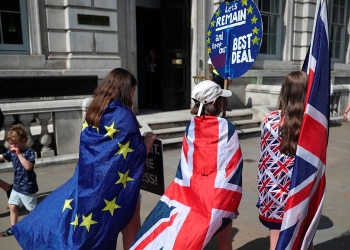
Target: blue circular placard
[{"x": 234, "y": 36}]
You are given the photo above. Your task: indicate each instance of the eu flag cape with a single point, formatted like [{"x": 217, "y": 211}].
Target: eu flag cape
[
  {"x": 308, "y": 183},
  {"x": 206, "y": 192},
  {"x": 91, "y": 208}
]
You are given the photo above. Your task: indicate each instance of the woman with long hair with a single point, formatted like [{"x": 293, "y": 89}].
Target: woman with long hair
[
  {"x": 279, "y": 138},
  {"x": 103, "y": 196}
]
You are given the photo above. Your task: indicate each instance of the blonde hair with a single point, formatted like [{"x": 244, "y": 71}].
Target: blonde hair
[{"x": 16, "y": 133}]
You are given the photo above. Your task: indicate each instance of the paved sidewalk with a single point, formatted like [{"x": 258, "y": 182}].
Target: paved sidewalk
[{"x": 247, "y": 231}]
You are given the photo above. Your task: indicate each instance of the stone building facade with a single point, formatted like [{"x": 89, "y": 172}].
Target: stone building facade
[{"x": 91, "y": 37}]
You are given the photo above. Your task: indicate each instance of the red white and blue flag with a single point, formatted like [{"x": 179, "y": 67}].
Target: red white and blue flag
[
  {"x": 206, "y": 192},
  {"x": 307, "y": 188}
]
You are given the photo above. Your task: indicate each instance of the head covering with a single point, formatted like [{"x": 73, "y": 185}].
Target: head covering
[{"x": 206, "y": 92}]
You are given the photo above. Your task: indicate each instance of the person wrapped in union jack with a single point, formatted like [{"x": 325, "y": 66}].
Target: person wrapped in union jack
[
  {"x": 204, "y": 197},
  {"x": 279, "y": 138}
]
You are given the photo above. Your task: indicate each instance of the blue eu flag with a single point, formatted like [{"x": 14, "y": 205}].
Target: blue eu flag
[{"x": 91, "y": 208}]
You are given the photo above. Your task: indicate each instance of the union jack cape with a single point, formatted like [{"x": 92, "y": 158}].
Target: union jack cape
[
  {"x": 206, "y": 192},
  {"x": 307, "y": 188}
]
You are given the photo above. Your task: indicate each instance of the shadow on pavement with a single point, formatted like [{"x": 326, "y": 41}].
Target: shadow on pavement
[
  {"x": 341, "y": 242},
  {"x": 259, "y": 243},
  {"x": 325, "y": 223},
  {"x": 213, "y": 243}
]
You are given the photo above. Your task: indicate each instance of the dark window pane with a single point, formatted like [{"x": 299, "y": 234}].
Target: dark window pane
[
  {"x": 11, "y": 5},
  {"x": 263, "y": 47},
  {"x": 11, "y": 28}
]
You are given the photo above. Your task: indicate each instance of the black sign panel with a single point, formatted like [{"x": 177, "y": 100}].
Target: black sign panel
[
  {"x": 46, "y": 86},
  {"x": 93, "y": 20},
  {"x": 153, "y": 174}
]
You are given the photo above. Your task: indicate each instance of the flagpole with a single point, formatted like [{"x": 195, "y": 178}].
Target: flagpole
[{"x": 313, "y": 33}]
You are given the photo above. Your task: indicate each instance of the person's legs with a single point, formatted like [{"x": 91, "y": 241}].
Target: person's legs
[
  {"x": 225, "y": 238},
  {"x": 130, "y": 231},
  {"x": 13, "y": 214},
  {"x": 274, "y": 234},
  {"x": 29, "y": 201}
]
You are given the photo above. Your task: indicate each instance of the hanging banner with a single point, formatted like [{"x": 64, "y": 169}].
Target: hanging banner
[{"x": 234, "y": 37}]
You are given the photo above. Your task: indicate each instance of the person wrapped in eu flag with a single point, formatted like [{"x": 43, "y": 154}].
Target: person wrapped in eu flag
[{"x": 91, "y": 208}]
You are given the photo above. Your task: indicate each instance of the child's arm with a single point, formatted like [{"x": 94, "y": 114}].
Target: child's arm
[
  {"x": 26, "y": 164},
  {"x": 2, "y": 158}
]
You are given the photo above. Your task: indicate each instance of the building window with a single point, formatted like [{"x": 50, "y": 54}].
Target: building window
[
  {"x": 338, "y": 17},
  {"x": 13, "y": 27},
  {"x": 271, "y": 15}
]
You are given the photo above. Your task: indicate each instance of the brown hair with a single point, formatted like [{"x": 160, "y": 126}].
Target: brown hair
[
  {"x": 116, "y": 85},
  {"x": 213, "y": 108},
  {"x": 16, "y": 133},
  {"x": 291, "y": 104}
]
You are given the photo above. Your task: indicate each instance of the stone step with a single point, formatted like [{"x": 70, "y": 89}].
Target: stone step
[
  {"x": 176, "y": 142},
  {"x": 170, "y": 126},
  {"x": 177, "y": 131},
  {"x": 170, "y": 122}
]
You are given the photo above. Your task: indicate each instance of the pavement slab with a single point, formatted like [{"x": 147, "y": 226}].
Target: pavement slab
[{"x": 247, "y": 232}]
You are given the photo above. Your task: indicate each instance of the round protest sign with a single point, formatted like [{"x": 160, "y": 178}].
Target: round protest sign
[{"x": 234, "y": 36}]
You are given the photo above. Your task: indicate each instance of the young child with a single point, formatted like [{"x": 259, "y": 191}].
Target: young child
[{"x": 24, "y": 184}]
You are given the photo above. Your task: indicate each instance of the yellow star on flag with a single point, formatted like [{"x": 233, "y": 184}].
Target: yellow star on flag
[
  {"x": 67, "y": 205},
  {"x": 85, "y": 125},
  {"x": 209, "y": 50},
  {"x": 212, "y": 23},
  {"x": 75, "y": 222},
  {"x": 250, "y": 9},
  {"x": 111, "y": 130},
  {"x": 124, "y": 149},
  {"x": 209, "y": 33},
  {"x": 254, "y": 19},
  {"x": 255, "y": 30},
  {"x": 110, "y": 206},
  {"x": 87, "y": 222},
  {"x": 208, "y": 40},
  {"x": 255, "y": 40},
  {"x": 217, "y": 13},
  {"x": 244, "y": 2},
  {"x": 124, "y": 178}
]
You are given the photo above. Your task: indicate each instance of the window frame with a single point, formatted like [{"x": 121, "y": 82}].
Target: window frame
[
  {"x": 278, "y": 42},
  {"x": 18, "y": 49},
  {"x": 343, "y": 27}
]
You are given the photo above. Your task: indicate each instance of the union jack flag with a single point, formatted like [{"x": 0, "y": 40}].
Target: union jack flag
[
  {"x": 306, "y": 195},
  {"x": 205, "y": 194}
]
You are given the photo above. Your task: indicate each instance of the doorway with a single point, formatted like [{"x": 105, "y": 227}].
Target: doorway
[
  {"x": 166, "y": 29},
  {"x": 148, "y": 30}
]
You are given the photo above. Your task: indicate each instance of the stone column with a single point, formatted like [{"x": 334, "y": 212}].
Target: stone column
[{"x": 45, "y": 138}]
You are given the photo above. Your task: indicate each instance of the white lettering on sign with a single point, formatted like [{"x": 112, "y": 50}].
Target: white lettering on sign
[
  {"x": 219, "y": 37},
  {"x": 231, "y": 8},
  {"x": 236, "y": 17},
  {"x": 150, "y": 178},
  {"x": 150, "y": 163},
  {"x": 241, "y": 49},
  {"x": 154, "y": 149}
]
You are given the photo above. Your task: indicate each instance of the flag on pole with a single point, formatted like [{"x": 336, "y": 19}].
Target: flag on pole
[{"x": 307, "y": 188}]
